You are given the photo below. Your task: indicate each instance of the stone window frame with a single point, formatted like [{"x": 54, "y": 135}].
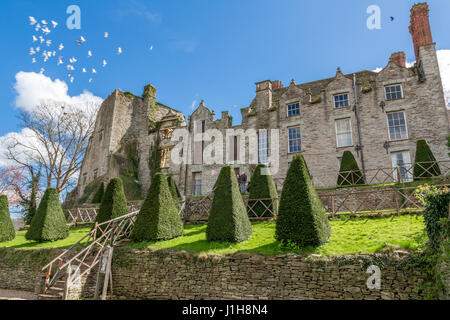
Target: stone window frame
[
  {"x": 289, "y": 140},
  {"x": 197, "y": 184},
  {"x": 336, "y": 132},
  {"x": 294, "y": 103},
  {"x": 391, "y": 86},
  {"x": 261, "y": 145},
  {"x": 406, "y": 125},
  {"x": 342, "y": 93}
]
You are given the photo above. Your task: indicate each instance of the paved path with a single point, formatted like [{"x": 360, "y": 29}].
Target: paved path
[{"x": 16, "y": 295}]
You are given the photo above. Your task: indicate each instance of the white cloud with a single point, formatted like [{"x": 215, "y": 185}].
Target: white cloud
[
  {"x": 34, "y": 88},
  {"x": 444, "y": 66},
  {"x": 25, "y": 137}
]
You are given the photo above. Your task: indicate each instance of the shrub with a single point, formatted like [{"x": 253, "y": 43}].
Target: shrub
[
  {"x": 436, "y": 210},
  {"x": 228, "y": 220},
  {"x": 425, "y": 165},
  {"x": 301, "y": 217},
  {"x": 49, "y": 222},
  {"x": 349, "y": 173},
  {"x": 7, "y": 232},
  {"x": 262, "y": 187},
  {"x": 114, "y": 203},
  {"x": 158, "y": 218},
  {"x": 174, "y": 189},
  {"x": 99, "y": 194}
]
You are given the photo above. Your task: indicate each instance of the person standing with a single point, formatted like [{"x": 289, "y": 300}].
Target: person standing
[{"x": 243, "y": 182}]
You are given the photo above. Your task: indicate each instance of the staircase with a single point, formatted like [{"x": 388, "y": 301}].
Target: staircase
[{"x": 84, "y": 256}]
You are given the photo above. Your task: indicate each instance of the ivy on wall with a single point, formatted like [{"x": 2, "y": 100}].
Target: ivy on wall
[{"x": 129, "y": 172}]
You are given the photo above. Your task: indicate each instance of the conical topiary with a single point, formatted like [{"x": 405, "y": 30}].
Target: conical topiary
[
  {"x": 158, "y": 218},
  {"x": 263, "y": 187},
  {"x": 98, "y": 197},
  {"x": 7, "y": 232},
  {"x": 349, "y": 173},
  {"x": 301, "y": 216},
  {"x": 425, "y": 165},
  {"x": 114, "y": 203},
  {"x": 228, "y": 220},
  {"x": 174, "y": 189},
  {"x": 49, "y": 222}
]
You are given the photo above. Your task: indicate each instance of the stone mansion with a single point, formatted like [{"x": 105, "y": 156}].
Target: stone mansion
[{"x": 378, "y": 116}]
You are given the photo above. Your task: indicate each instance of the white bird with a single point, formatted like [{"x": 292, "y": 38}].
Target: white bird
[
  {"x": 72, "y": 68},
  {"x": 38, "y": 26},
  {"x": 32, "y": 51},
  {"x": 60, "y": 61},
  {"x": 44, "y": 22},
  {"x": 33, "y": 60},
  {"x": 94, "y": 71},
  {"x": 54, "y": 53},
  {"x": 78, "y": 42},
  {"x": 38, "y": 49},
  {"x": 46, "y": 30},
  {"x": 90, "y": 80},
  {"x": 73, "y": 60},
  {"x": 82, "y": 39},
  {"x": 69, "y": 74},
  {"x": 71, "y": 79},
  {"x": 89, "y": 53},
  {"x": 42, "y": 71},
  {"x": 61, "y": 46},
  {"x": 48, "y": 43},
  {"x": 84, "y": 70},
  {"x": 54, "y": 23},
  {"x": 41, "y": 38},
  {"x": 106, "y": 34},
  {"x": 32, "y": 21},
  {"x": 104, "y": 63},
  {"x": 119, "y": 50},
  {"x": 151, "y": 48},
  {"x": 35, "y": 39}
]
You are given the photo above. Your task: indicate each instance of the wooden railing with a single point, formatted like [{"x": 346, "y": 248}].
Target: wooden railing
[
  {"x": 87, "y": 253},
  {"x": 88, "y": 215}
]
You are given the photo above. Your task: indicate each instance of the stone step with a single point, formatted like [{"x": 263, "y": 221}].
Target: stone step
[
  {"x": 55, "y": 290},
  {"x": 49, "y": 297}
]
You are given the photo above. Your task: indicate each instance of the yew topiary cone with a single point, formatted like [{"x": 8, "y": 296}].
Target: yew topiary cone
[
  {"x": 158, "y": 219},
  {"x": 228, "y": 220},
  {"x": 114, "y": 202},
  {"x": 7, "y": 232},
  {"x": 301, "y": 216},
  {"x": 49, "y": 222}
]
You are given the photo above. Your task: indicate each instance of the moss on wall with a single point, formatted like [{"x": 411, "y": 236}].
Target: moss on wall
[{"x": 129, "y": 172}]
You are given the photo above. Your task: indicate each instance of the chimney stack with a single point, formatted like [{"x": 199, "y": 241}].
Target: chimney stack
[
  {"x": 420, "y": 27},
  {"x": 399, "y": 58},
  {"x": 277, "y": 84}
]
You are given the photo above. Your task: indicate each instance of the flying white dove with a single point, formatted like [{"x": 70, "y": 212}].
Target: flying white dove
[
  {"x": 119, "y": 50},
  {"x": 35, "y": 39},
  {"x": 38, "y": 49},
  {"x": 71, "y": 79},
  {"x": 90, "y": 80},
  {"x": 94, "y": 71},
  {"x": 82, "y": 39},
  {"x": 42, "y": 71},
  {"x": 32, "y": 51},
  {"x": 73, "y": 60},
  {"x": 151, "y": 48},
  {"x": 84, "y": 70},
  {"x": 32, "y": 21},
  {"x": 41, "y": 38},
  {"x": 48, "y": 43},
  {"x": 54, "y": 53},
  {"x": 60, "y": 61},
  {"x": 106, "y": 35},
  {"x": 89, "y": 53},
  {"x": 54, "y": 23},
  {"x": 38, "y": 26},
  {"x": 46, "y": 30},
  {"x": 61, "y": 46},
  {"x": 33, "y": 60},
  {"x": 44, "y": 22},
  {"x": 104, "y": 63}
]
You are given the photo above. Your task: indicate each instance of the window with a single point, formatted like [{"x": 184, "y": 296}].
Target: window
[
  {"x": 199, "y": 128},
  {"x": 197, "y": 184},
  {"x": 401, "y": 162},
  {"x": 263, "y": 147},
  {"x": 234, "y": 148},
  {"x": 341, "y": 100},
  {"x": 295, "y": 141},
  {"x": 293, "y": 110},
  {"x": 394, "y": 92},
  {"x": 344, "y": 133},
  {"x": 397, "y": 126}
]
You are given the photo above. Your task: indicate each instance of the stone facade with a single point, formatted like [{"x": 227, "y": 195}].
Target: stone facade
[{"x": 420, "y": 101}]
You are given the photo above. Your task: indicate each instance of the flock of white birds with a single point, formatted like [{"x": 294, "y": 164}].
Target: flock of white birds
[{"x": 47, "y": 53}]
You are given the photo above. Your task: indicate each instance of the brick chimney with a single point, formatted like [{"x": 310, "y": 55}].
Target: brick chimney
[
  {"x": 277, "y": 84},
  {"x": 399, "y": 58},
  {"x": 420, "y": 27}
]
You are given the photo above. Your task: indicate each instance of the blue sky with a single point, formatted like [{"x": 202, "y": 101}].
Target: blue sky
[{"x": 211, "y": 50}]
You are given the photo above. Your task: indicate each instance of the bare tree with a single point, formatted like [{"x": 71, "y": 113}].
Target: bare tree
[{"x": 55, "y": 142}]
